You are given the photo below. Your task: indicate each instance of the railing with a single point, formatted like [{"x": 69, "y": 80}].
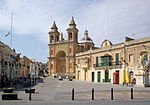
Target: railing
[{"x": 109, "y": 65}]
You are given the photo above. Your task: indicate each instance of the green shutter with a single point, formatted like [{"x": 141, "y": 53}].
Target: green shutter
[
  {"x": 107, "y": 61},
  {"x": 117, "y": 59},
  {"x": 106, "y": 76},
  {"x": 145, "y": 58},
  {"x": 99, "y": 76},
  {"x": 96, "y": 61}
]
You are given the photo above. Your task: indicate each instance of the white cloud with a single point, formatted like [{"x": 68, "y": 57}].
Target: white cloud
[
  {"x": 35, "y": 17},
  {"x": 126, "y": 17}
]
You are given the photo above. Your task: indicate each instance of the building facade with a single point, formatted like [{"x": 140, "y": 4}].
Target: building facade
[
  {"x": 126, "y": 62},
  {"x": 62, "y": 52},
  {"x": 116, "y": 63},
  {"x": 14, "y": 67},
  {"x": 25, "y": 67},
  {"x": 43, "y": 70},
  {"x": 9, "y": 64}
]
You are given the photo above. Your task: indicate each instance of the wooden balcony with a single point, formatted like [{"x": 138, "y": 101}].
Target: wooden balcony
[{"x": 112, "y": 65}]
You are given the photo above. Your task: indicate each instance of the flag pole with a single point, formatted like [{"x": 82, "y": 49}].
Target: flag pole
[
  {"x": 108, "y": 17},
  {"x": 11, "y": 30}
]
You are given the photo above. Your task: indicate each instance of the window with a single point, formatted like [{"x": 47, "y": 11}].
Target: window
[
  {"x": 63, "y": 55},
  {"x": 51, "y": 52},
  {"x": 117, "y": 58},
  {"x": 145, "y": 58},
  {"x": 97, "y": 61},
  {"x": 51, "y": 39},
  {"x": 51, "y": 66},
  {"x": 131, "y": 58},
  {"x": 106, "y": 61},
  {"x": 57, "y": 38},
  {"x": 78, "y": 61},
  {"x": 70, "y": 36},
  {"x": 88, "y": 47}
]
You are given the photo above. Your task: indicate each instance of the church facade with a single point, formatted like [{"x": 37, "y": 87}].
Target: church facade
[{"x": 62, "y": 53}]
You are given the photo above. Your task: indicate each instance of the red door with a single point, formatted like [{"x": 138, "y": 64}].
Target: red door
[{"x": 116, "y": 78}]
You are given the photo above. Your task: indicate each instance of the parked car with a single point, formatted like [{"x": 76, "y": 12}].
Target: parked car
[{"x": 60, "y": 78}]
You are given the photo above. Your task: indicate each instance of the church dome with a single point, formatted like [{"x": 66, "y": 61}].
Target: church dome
[{"x": 86, "y": 38}]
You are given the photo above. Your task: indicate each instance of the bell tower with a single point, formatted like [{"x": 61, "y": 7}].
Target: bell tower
[
  {"x": 72, "y": 31},
  {"x": 54, "y": 34},
  {"x": 62, "y": 52}
]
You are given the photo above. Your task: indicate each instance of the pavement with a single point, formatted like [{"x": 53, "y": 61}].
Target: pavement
[{"x": 55, "y": 92}]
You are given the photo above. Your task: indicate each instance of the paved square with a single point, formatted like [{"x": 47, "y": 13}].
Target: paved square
[{"x": 55, "y": 92}]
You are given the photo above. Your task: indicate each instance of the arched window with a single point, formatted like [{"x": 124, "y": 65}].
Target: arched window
[
  {"x": 70, "y": 36},
  {"x": 61, "y": 54},
  {"x": 88, "y": 47},
  {"x": 145, "y": 58},
  {"x": 51, "y": 39},
  {"x": 57, "y": 38},
  {"x": 51, "y": 66},
  {"x": 51, "y": 52}
]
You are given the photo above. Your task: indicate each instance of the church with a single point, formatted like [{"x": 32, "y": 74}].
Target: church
[{"x": 62, "y": 52}]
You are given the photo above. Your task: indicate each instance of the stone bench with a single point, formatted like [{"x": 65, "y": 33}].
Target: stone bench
[{"x": 9, "y": 96}]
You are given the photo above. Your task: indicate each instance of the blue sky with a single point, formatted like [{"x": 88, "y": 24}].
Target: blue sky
[{"x": 33, "y": 19}]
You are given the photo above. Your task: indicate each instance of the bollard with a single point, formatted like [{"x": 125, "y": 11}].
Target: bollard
[
  {"x": 112, "y": 96},
  {"x": 92, "y": 93},
  {"x": 30, "y": 94},
  {"x": 73, "y": 94},
  {"x": 131, "y": 93}
]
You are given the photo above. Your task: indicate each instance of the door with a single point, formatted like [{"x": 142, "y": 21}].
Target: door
[
  {"x": 92, "y": 76},
  {"x": 63, "y": 68},
  {"x": 130, "y": 76},
  {"x": 106, "y": 76},
  {"x": 116, "y": 77},
  {"x": 99, "y": 76}
]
